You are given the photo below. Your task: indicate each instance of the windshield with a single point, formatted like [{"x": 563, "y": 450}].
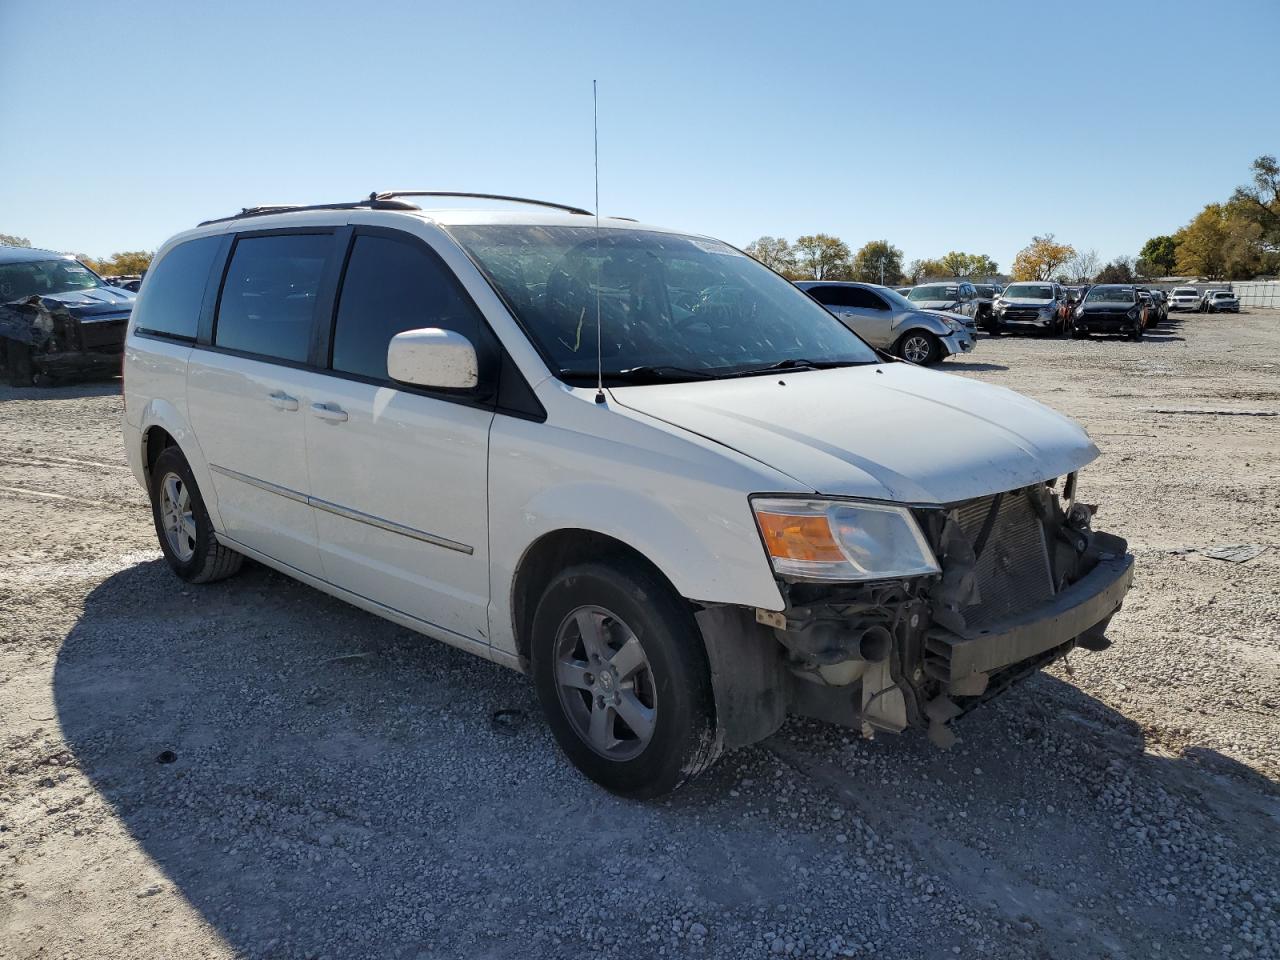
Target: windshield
[
  {"x": 1028, "y": 291},
  {"x": 1110, "y": 295},
  {"x": 40, "y": 278},
  {"x": 1223, "y": 294},
  {"x": 934, "y": 293},
  {"x": 1186, "y": 292},
  {"x": 896, "y": 299},
  {"x": 671, "y": 307}
]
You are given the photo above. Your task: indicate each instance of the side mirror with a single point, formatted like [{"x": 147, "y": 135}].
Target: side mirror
[{"x": 435, "y": 358}]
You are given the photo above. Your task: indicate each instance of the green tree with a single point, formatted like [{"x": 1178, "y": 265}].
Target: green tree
[
  {"x": 774, "y": 252},
  {"x": 131, "y": 261},
  {"x": 878, "y": 262},
  {"x": 9, "y": 240},
  {"x": 1160, "y": 255},
  {"x": 926, "y": 269},
  {"x": 820, "y": 256},
  {"x": 1259, "y": 202},
  {"x": 1041, "y": 258},
  {"x": 1119, "y": 270}
]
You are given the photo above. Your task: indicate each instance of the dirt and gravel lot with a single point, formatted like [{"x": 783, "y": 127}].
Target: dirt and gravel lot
[{"x": 254, "y": 769}]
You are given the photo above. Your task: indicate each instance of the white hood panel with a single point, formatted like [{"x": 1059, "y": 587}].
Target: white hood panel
[{"x": 885, "y": 432}]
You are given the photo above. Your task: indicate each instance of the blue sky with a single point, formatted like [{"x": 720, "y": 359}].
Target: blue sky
[{"x": 939, "y": 126}]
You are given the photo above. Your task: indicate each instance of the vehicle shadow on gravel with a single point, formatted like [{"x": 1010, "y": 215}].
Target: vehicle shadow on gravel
[
  {"x": 971, "y": 365},
  {"x": 316, "y": 781},
  {"x": 70, "y": 391}
]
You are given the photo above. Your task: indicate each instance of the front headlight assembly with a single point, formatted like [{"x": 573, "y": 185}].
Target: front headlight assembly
[{"x": 813, "y": 539}]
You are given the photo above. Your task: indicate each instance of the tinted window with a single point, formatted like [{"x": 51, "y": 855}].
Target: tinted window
[
  {"x": 392, "y": 286},
  {"x": 175, "y": 289},
  {"x": 865, "y": 299},
  {"x": 269, "y": 296},
  {"x": 832, "y": 296}
]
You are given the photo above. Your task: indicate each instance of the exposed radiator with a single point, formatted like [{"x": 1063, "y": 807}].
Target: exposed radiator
[{"x": 1013, "y": 572}]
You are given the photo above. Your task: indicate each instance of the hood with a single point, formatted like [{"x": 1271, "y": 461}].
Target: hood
[
  {"x": 949, "y": 315},
  {"x": 98, "y": 301},
  {"x": 935, "y": 304},
  {"x": 1027, "y": 301},
  {"x": 883, "y": 432}
]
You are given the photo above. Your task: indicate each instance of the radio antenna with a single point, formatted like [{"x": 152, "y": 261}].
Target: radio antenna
[{"x": 595, "y": 142}]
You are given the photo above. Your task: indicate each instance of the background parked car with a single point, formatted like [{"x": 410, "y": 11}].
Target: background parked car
[
  {"x": 1039, "y": 306},
  {"x": 1111, "y": 308},
  {"x": 889, "y": 321},
  {"x": 1157, "y": 311},
  {"x": 955, "y": 296},
  {"x": 1221, "y": 301},
  {"x": 58, "y": 319},
  {"x": 1184, "y": 298}
]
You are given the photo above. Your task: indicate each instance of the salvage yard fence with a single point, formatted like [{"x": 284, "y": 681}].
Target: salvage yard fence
[{"x": 1258, "y": 293}]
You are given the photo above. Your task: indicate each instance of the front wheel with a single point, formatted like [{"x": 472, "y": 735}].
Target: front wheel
[
  {"x": 920, "y": 347},
  {"x": 183, "y": 525},
  {"x": 621, "y": 672},
  {"x": 18, "y": 364}
]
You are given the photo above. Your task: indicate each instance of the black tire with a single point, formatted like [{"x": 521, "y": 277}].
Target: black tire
[
  {"x": 683, "y": 741},
  {"x": 209, "y": 560},
  {"x": 932, "y": 355},
  {"x": 19, "y": 368}
]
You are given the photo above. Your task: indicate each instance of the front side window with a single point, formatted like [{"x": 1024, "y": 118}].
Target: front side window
[
  {"x": 269, "y": 295},
  {"x": 175, "y": 289},
  {"x": 670, "y": 306},
  {"x": 42, "y": 278},
  {"x": 391, "y": 286},
  {"x": 866, "y": 300}
]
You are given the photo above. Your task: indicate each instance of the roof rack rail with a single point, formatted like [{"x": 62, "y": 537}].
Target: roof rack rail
[
  {"x": 386, "y": 200},
  {"x": 393, "y": 194},
  {"x": 373, "y": 202}
]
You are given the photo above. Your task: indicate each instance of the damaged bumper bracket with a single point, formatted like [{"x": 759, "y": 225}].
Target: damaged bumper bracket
[{"x": 952, "y": 656}]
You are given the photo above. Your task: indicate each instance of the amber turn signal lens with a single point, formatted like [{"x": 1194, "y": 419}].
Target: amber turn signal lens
[{"x": 795, "y": 537}]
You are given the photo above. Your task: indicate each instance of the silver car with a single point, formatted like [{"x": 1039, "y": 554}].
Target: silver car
[
  {"x": 1221, "y": 301},
  {"x": 1184, "y": 298},
  {"x": 887, "y": 320}
]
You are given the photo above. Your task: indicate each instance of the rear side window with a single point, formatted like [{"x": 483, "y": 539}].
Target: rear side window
[
  {"x": 831, "y": 296},
  {"x": 170, "y": 304},
  {"x": 392, "y": 286},
  {"x": 269, "y": 295}
]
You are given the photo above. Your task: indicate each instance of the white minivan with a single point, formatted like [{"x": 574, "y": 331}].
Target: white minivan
[{"x": 630, "y": 462}]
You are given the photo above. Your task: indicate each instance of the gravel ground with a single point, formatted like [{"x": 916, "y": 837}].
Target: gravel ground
[{"x": 254, "y": 769}]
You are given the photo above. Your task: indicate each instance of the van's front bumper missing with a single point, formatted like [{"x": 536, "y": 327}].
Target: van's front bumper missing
[
  {"x": 1021, "y": 585},
  {"x": 1080, "y": 612}
]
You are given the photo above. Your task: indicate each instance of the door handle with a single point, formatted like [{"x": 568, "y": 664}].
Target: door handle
[
  {"x": 329, "y": 411},
  {"x": 282, "y": 401}
]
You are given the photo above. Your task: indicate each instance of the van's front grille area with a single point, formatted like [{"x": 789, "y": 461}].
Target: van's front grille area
[{"x": 1012, "y": 571}]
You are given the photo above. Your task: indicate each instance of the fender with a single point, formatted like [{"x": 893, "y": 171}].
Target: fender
[
  {"x": 728, "y": 566},
  {"x": 159, "y": 412}
]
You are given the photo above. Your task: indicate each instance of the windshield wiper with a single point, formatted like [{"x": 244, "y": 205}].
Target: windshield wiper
[
  {"x": 796, "y": 363},
  {"x": 641, "y": 374}
]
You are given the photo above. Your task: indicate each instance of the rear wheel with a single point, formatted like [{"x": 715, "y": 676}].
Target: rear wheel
[
  {"x": 621, "y": 673},
  {"x": 919, "y": 347},
  {"x": 183, "y": 525}
]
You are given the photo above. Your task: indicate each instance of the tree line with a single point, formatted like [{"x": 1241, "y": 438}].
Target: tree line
[
  {"x": 821, "y": 256},
  {"x": 1233, "y": 240}
]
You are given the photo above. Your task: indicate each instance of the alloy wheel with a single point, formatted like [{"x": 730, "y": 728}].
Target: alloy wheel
[
  {"x": 176, "y": 517},
  {"x": 605, "y": 683},
  {"x": 916, "y": 349}
]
